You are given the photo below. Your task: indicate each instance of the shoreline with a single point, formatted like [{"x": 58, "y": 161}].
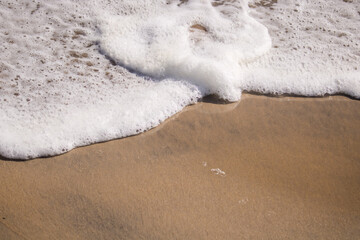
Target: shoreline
[
  {"x": 209, "y": 99},
  {"x": 288, "y": 167}
]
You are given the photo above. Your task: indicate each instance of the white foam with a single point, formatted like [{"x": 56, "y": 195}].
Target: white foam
[
  {"x": 315, "y": 49},
  {"x": 58, "y": 90},
  {"x": 162, "y": 43}
]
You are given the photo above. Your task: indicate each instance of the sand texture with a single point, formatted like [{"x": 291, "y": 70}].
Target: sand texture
[{"x": 263, "y": 168}]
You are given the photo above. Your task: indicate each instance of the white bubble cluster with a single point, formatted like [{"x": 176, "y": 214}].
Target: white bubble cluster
[
  {"x": 57, "y": 91},
  {"x": 315, "y": 48},
  {"x": 192, "y": 41}
]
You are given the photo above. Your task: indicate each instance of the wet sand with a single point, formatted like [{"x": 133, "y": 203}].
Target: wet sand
[{"x": 288, "y": 168}]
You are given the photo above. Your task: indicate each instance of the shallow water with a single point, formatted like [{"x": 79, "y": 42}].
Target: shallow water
[{"x": 78, "y": 72}]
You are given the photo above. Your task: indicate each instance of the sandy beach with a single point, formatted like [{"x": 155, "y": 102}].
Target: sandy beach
[{"x": 261, "y": 168}]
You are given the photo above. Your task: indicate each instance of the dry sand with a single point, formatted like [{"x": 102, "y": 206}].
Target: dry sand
[{"x": 292, "y": 171}]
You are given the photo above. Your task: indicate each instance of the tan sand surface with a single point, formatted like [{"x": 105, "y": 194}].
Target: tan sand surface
[{"x": 290, "y": 169}]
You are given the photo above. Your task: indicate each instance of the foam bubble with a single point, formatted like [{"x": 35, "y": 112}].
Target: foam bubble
[
  {"x": 57, "y": 91},
  {"x": 315, "y": 48},
  {"x": 193, "y": 41}
]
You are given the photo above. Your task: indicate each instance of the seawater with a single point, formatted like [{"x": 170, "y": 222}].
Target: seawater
[{"x": 77, "y": 72}]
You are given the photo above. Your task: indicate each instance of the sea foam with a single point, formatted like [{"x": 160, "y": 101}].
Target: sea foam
[
  {"x": 193, "y": 41},
  {"x": 77, "y": 72}
]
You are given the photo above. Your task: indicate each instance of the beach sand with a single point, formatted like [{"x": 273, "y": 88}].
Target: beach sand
[{"x": 262, "y": 168}]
